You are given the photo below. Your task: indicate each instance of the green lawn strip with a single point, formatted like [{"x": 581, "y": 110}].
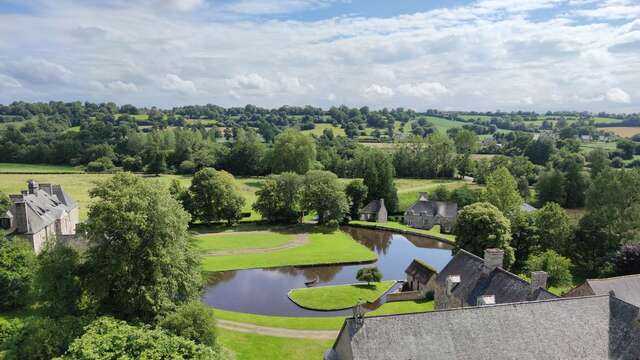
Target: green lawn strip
[
  {"x": 338, "y": 297},
  {"x": 38, "y": 168},
  {"x": 285, "y": 322},
  {"x": 402, "y": 307},
  {"x": 262, "y": 347},
  {"x": 321, "y": 249},
  {"x": 391, "y": 225},
  {"x": 242, "y": 240}
]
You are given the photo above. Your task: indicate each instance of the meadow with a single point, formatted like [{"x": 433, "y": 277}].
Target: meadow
[
  {"x": 338, "y": 297},
  {"x": 38, "y": 169},
  {"x": 624, "y": 131}
]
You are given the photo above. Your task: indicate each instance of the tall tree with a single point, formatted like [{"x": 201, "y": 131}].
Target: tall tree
[
  {"x": 17, "y": 266},
  {"x": 246, "y": 155},
  {"x": 292, "y": 151},
  {"x": 540, "y": 151},
  {"x": 57, "y": 280},
  {"x": 378, "y": 178},
  {"x": 598, "y": 161},
  {"x": 140, "y": 262},
  {"x": 550, "y": 187},
  {"x": 325, "y": 195},
  {"x": 280, "y": 198},
  {"x": 502, "y": 192},
  {"x": 356, "y": 193},
  {"x": 555, "y": 231},
  {"x": 213, "y": 196}
]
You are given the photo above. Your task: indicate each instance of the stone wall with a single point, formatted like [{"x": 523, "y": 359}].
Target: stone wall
[{"x": 405, "y": 295}]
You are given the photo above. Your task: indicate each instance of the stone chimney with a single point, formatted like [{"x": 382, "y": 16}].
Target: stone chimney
[
  {"x": 493, "y": 258},
  {"x": 451, "y": 282},
  {"x": 20, "y": 214},
  {"x": 538, "y": 280},
  {"x": 47, "y": 187},
  {"x": 33, "y": 186},
  {"x": 484, "y": 300},
  {"x": 423, "y": 196},
  {"x": 381, "y": 203}
]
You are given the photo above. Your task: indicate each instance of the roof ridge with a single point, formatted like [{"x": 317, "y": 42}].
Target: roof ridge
[{"x": 615, "y": 277}]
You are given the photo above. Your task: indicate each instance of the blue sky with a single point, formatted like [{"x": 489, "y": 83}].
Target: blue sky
[{"x": 465, "y": 55}]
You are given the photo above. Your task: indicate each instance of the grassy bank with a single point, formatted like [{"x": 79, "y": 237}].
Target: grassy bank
[
  {"x": 38, "y": 168},
  {"x": 321, "y": 248},
  {"x": 261, "y": 347},
  {"x": 242, "y": 240},
  {"x": 391, "y": 225},
  {"x": 338, "y": 297}
]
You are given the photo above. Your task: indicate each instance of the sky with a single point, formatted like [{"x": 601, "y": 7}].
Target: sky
[{"x": 482, "y": 55}]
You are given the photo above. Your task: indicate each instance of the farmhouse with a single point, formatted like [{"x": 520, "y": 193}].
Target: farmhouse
[
  {"x": 592, "y": 327},
  {"x": 469, "y": 280},
  {"x": 419, "y": 275},
  {"x": 625, "y": 288},
  {"x": 374, "y": 211},
  {"x": 424, "y": 214},
  {"x": 41, "y": 213}
]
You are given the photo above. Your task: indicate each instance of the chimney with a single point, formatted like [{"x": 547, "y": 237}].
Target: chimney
[
  {"x": 493, "y": 258},
  {"x": 451, "y": 282},
  {"x": 484, "y": 300},
  {"x": 33, "y": 186},
  {"x": 20, "y": 215},
  {"x": 423, "y": 196},
  {"x": 381, "y": 202},
  {"x": 47, "y": 187},
  {"x": 538, "y": 280}
]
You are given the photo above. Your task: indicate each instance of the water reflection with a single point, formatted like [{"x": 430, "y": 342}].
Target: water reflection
[{"x": 264, "y": 291}]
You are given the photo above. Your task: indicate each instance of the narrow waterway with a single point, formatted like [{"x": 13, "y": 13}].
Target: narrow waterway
[{"x": 264, "y": 291}]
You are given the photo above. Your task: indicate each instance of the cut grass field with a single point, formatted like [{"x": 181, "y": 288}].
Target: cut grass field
[
  {"x": 38, "y": 168},
  {"x": 321, "y": 249},
  {"x": 392, "y": 225},
  {"x": 337, "y": 131},
  {"x": 624, "y": 131},
  {"x": 338, "y": 297},
  {"x": 261, "y": 347},
  {"x": 242, "y": 240}
]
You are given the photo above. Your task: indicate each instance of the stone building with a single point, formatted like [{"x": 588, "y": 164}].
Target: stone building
[
  {"x": 625, "y": 288},
  {"x": 41, "y": 213},
  {"x": 592, "y": 327},
  {"x": 419, "y": 276},
  {"x": 425, "y": 214},
  {"x": 374, "y": 211},
  {"x": 468, "y": 280}
]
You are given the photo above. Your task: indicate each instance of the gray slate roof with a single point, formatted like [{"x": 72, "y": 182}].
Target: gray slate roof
[
  {"x": 476, "y": 280},
  {"x": 594, "y": 327},
  {"x": 626, "y": 288},
  {"x": 420, "y": 271},
  {"x": 433, "y": 208},
  {"x": 372, "y": 207},
  {"x": 527, "y": 208},
  {"x": 44, "y": 206}
]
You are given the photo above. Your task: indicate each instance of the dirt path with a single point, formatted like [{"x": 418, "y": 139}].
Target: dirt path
[
  {"x": 299, "y": 240},
  {"x": 280, "y": 332}
]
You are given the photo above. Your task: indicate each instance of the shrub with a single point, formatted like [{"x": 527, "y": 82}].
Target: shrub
[
  {"x": 100, "y": 165},
  {"x": 17, "y": 265},
  {"x": 43, "y": 338},
  {"x": 194, "y": 321},
  {"x": 187, "y": 167},
  {"x": 627, "y": 260},
  {"x": 57, "y": 282},
  {"x": 557, "y": 267},
  {"x": 132, "y": 163}
]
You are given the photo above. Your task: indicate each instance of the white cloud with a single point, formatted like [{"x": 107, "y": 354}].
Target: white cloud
[
  {"x": 618, "y": 95},
  {"x": 267, "y": 7},
  {"x": 332, "y": 97},
  {"x": 423, "y": 90},
  {"x": 39, "y": 71},
  {"x": 122, "y": 86},
  {"x": 251, "y": 82},
  {"x": 182, "y": 5},
  {"x": 173, "y": 83},
  {"x": 612, "y": 11},
  {"x": 9, "y": 82},
  {"x": 375, "y": 90}
]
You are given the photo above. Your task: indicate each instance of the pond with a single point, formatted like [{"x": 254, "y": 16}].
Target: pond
[{"x": 264, "y": 291}]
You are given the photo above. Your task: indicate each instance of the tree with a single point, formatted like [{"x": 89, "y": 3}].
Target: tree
[
  {"x": 524, "y": 237},
  {"x": 107, "y": 338},
  {"x": 378, "y": 178},
  {"x": 140, "y": 262},
  {"x": 246, "y": 155},
  {"x": 482, "y": 226},
  {"x": 57, "y": 280},
  {"x": 213, "y": 196},
  {"x": 575, "y": 184},
  {"x": 627, "y": 260},
  {"x": 550, "y": 187},
  {"x": 554, "y": 228},
  {"x": 557, "y": 267},
  {"x": 17, "y": 266},
  {"x": 523, "y": 187},
  {"x": 369, "y": 274},
  {"x": 5, "y": 203},
  {"x": 323, "y": 194},
  {"x": 502, "y": 192},
  {"x": 598, "y": 161},
  {"x": 292, "y": 151},
  {"x": 464, "y": 196},
  {"x": 357, "y": 194},
  {"x": 193, "y": 321},
  {"x": 280, "y": 198},
  {"x": 540, "y": 151}
]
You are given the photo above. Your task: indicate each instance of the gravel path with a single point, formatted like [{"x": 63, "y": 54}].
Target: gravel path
[
  {"x": 280, "y": 332},
  {"x": 299, "y": 240}
]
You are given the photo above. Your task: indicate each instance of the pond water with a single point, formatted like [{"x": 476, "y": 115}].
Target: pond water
[{"x": 264, "y": 291}]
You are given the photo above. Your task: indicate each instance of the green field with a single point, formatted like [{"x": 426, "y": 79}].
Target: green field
[
  {"x": 588, "y": 147},
  {"x": 338, "y": 297},
  {"x": 409, "y": 189},
  {"x": 392, "y": 225},
  {"x": 261, "y": 347},
  {"x": 337, "y": 131},
  {"x": 242, "y": 240},
  {"x": 38, "y": 168}
]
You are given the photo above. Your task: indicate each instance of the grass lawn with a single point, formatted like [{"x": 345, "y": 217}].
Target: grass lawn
[
  {"x": 286, "y": 322},
  {"x": 321, "y": 248},
  {"x": 337, "y": 131},
  {"x": 392, "y": 225},
  {"x": 408, "y": 189},
  {"x": 259, "y": 347},
  {"x": 38, "y": 168},
  {"x": 402, "y": 307},
  {"x": 242, "y": 240},
  {"x": 338, "y": 297}
]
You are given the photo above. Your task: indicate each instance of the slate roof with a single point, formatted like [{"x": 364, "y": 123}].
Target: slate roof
[
  {"x": 527, "y": 208},
  {"x": 433, "y": 208},
  {"x": 626, "y": 288},
  {"x": 420, "y": 271},
  {"x": 372, "y": 207},
  {"x": 593, "y": 327},
  {"x": 476, "y": 280}
]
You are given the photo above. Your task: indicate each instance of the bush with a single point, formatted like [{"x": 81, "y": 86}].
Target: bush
[
  {"x": 627, "y": 260},
  {"x": 131, "y": 163},
  {"x": 7, "y": 331},
  {"x": 187, "y": 167},
  {"x": 17, "y": 266},
  {"x": 107, "y": 338},
  {"x": 194, "y": 321},
  {"x": 57, "y": 281},
  {"x": 43, "y": 338},
  {"x": 100, "y": 165},
  {"x": 557, "y": 267}
]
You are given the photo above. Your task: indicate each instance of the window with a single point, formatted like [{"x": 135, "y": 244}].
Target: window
[{"x": 5, "y": 223}]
